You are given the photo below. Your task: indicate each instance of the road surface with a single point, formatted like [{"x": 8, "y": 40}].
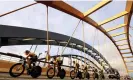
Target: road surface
[{"x": 6, "y": 76}]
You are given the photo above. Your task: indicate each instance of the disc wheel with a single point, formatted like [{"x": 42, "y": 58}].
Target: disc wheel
[
  {"x": 16, "y": 70},
  {"x": 96, "y": 76},
  {"x": 79, "y": 75},
  {"x": 36, "y": 72},
  {"x": 62, "y": 74},
  {"x": 83, "y": 75},
  {"x": 87, "y": 75},
  {"x": 50, "y": 73},
  {"x": 72, "y": 74},
  {"x": 103, "y": 77}
]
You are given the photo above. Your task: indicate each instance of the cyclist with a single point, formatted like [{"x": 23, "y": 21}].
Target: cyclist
[
  {"x": 82, "y": 68},
  {"x": 86, "y": 68},
  {"x": 30, "y": 57},
  {"x": 56, "y": 61},
  {"x": 47, "y": 56},
  {"x": 47, "y": 59},
  {"x": 76, "y": 65}
]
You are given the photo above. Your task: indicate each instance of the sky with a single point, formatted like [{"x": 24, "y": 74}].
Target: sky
[{"x": 59, "y": 22}]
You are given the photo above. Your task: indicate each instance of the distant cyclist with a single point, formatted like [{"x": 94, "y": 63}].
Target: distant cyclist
[
  {"x": 82, "y": 68},
  {"x": 76, "y": 65}
]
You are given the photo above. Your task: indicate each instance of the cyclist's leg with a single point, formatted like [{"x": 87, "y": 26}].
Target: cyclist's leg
[
  {"x": 28, "y": 66},
  {"x": 32, "y": 60},
  {"x": 28, "y": 62}
]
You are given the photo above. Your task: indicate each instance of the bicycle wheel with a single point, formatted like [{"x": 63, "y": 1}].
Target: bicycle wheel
[
  {"x": 103, "y": 77},
  {"x": 72, "y": 74},
  {"x": 16, "y": 70},
  {"x": 87, "y": 75},
  {"x": 62, "y": 73},
  {"x": 83, "y": 75},
  {"x": 50, "y": 73},
  {"x": 96, "y": 76},
  {"x": 79, "y": 75},
  {"x": 36, "y": 71}
]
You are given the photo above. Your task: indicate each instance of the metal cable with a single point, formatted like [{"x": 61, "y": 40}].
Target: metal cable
[{"x": 70, "y": 38}]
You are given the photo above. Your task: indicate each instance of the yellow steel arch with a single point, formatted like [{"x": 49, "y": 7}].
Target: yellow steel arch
[
  {"x": 74, "y": 12},
  {"x": 127, "y": 19}
]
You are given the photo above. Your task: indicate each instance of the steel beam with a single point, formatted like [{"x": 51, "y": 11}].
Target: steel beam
[
  {"x": 124, "y": 49},
  {"x": 121, "y": 39},
  {"x": 130, "y": 70},
  {"x": 114, "y": 28},
  {"x": 122, "y": 44},
  {"x": 96, "y": 7},
  {"x": 130, "y": 66},
  {"x": 126, "y": 53},
  {"x": 127, "y": 19},
  {"x": 129, "y": 57},
  {"x": 118, "y": 34},
  {"x": 69, "y": 10},
  {"x": 128, "y": 61},
  {"x": 113, "y": 18}
]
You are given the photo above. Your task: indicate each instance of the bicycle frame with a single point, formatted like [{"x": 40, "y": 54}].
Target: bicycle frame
[{"x": 23, "y": 61}]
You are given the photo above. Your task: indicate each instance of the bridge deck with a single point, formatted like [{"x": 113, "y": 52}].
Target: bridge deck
[{"x": 4, "y": 75}]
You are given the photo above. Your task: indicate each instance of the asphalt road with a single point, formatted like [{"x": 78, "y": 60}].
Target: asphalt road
[{"x": 6, "y": 76}]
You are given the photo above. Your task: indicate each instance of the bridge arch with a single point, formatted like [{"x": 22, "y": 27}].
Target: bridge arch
[{"x": 29, "y": 36}]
